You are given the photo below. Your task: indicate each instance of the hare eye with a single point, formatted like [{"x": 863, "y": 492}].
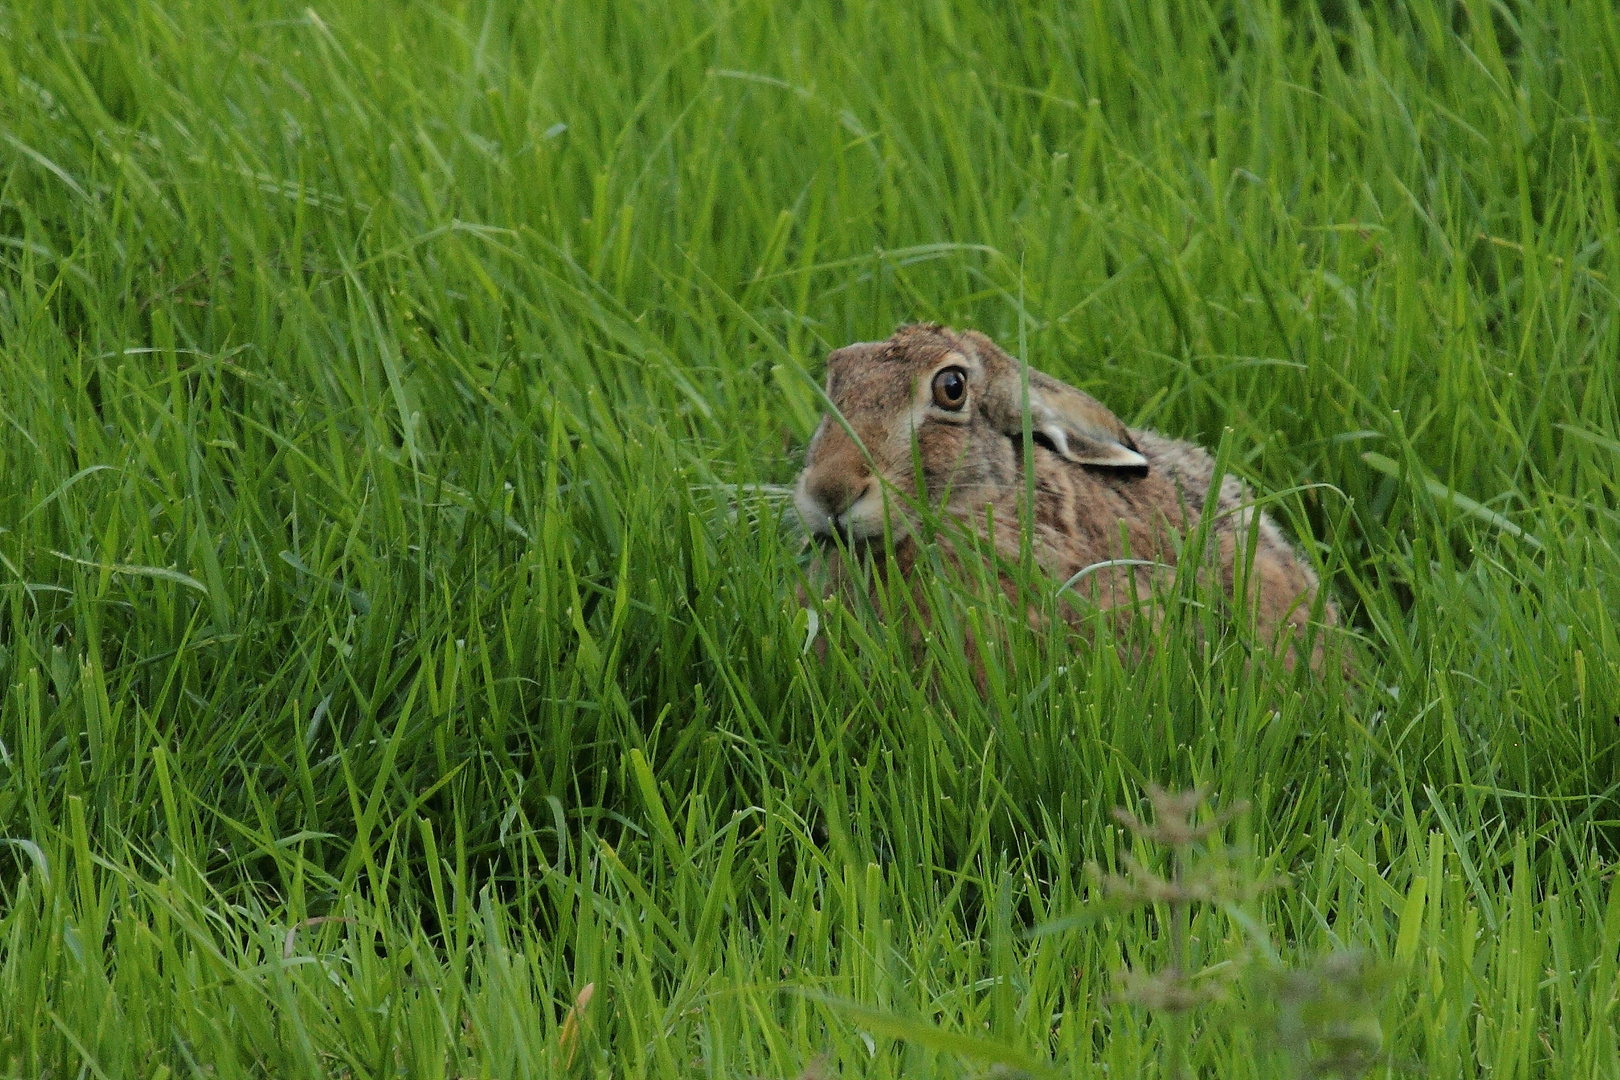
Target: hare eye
[{"x": 950, "y": 388}]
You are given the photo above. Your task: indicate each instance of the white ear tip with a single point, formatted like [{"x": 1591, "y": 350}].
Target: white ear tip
[{"x": 1104, "y": 452}]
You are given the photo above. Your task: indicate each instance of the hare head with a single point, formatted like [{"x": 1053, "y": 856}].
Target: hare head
[{"x": 946, "y": 409}]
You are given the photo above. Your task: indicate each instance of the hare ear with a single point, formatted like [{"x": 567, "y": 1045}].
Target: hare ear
[
  {"x": 1075, "y": 425},
  {"x": 1071, "y": 424}
]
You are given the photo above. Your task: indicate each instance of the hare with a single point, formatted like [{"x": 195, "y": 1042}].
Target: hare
[{"x": 1112, "y": 506}]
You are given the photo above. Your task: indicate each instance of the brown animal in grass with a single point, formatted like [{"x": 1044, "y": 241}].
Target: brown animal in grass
[{"x": 1112, "y": 505}]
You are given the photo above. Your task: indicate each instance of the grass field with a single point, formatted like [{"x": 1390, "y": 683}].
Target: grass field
[{"x": 399, "y": 629}]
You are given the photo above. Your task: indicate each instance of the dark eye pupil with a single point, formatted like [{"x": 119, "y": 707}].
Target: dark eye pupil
[{"x": 949, "y": 388}]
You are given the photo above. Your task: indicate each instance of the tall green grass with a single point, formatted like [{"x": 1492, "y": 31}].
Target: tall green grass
[{"x": 400, "y": 630}]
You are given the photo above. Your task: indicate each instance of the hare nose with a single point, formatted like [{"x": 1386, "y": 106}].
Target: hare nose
[{"x": 836, "y": 493}]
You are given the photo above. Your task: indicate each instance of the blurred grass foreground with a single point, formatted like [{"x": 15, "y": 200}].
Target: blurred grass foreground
[{"x": 400, "y": 666}]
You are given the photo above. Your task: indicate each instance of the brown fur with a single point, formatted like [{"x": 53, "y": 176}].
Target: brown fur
[{"x": 1095, "y": 501}]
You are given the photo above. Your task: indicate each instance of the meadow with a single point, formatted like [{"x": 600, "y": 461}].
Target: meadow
[{"x": 401, "y": 668}]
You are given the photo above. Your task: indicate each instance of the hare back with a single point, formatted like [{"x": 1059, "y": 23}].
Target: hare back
[
  {"x": 1191, "y": 470},
  {"x": 1086, "y": 520}
]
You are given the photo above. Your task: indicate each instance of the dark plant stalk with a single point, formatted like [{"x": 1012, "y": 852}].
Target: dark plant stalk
[{"x": 1178, "y": 1034}]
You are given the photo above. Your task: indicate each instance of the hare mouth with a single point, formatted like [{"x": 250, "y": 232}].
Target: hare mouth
[
  {"x": 857, "y": 522},
  {"x": 868, "y": 519},
  {"x": 854, "y": 530}
]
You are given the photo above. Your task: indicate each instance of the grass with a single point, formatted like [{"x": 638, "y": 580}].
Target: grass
[{"x": 399, "y": 630}]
